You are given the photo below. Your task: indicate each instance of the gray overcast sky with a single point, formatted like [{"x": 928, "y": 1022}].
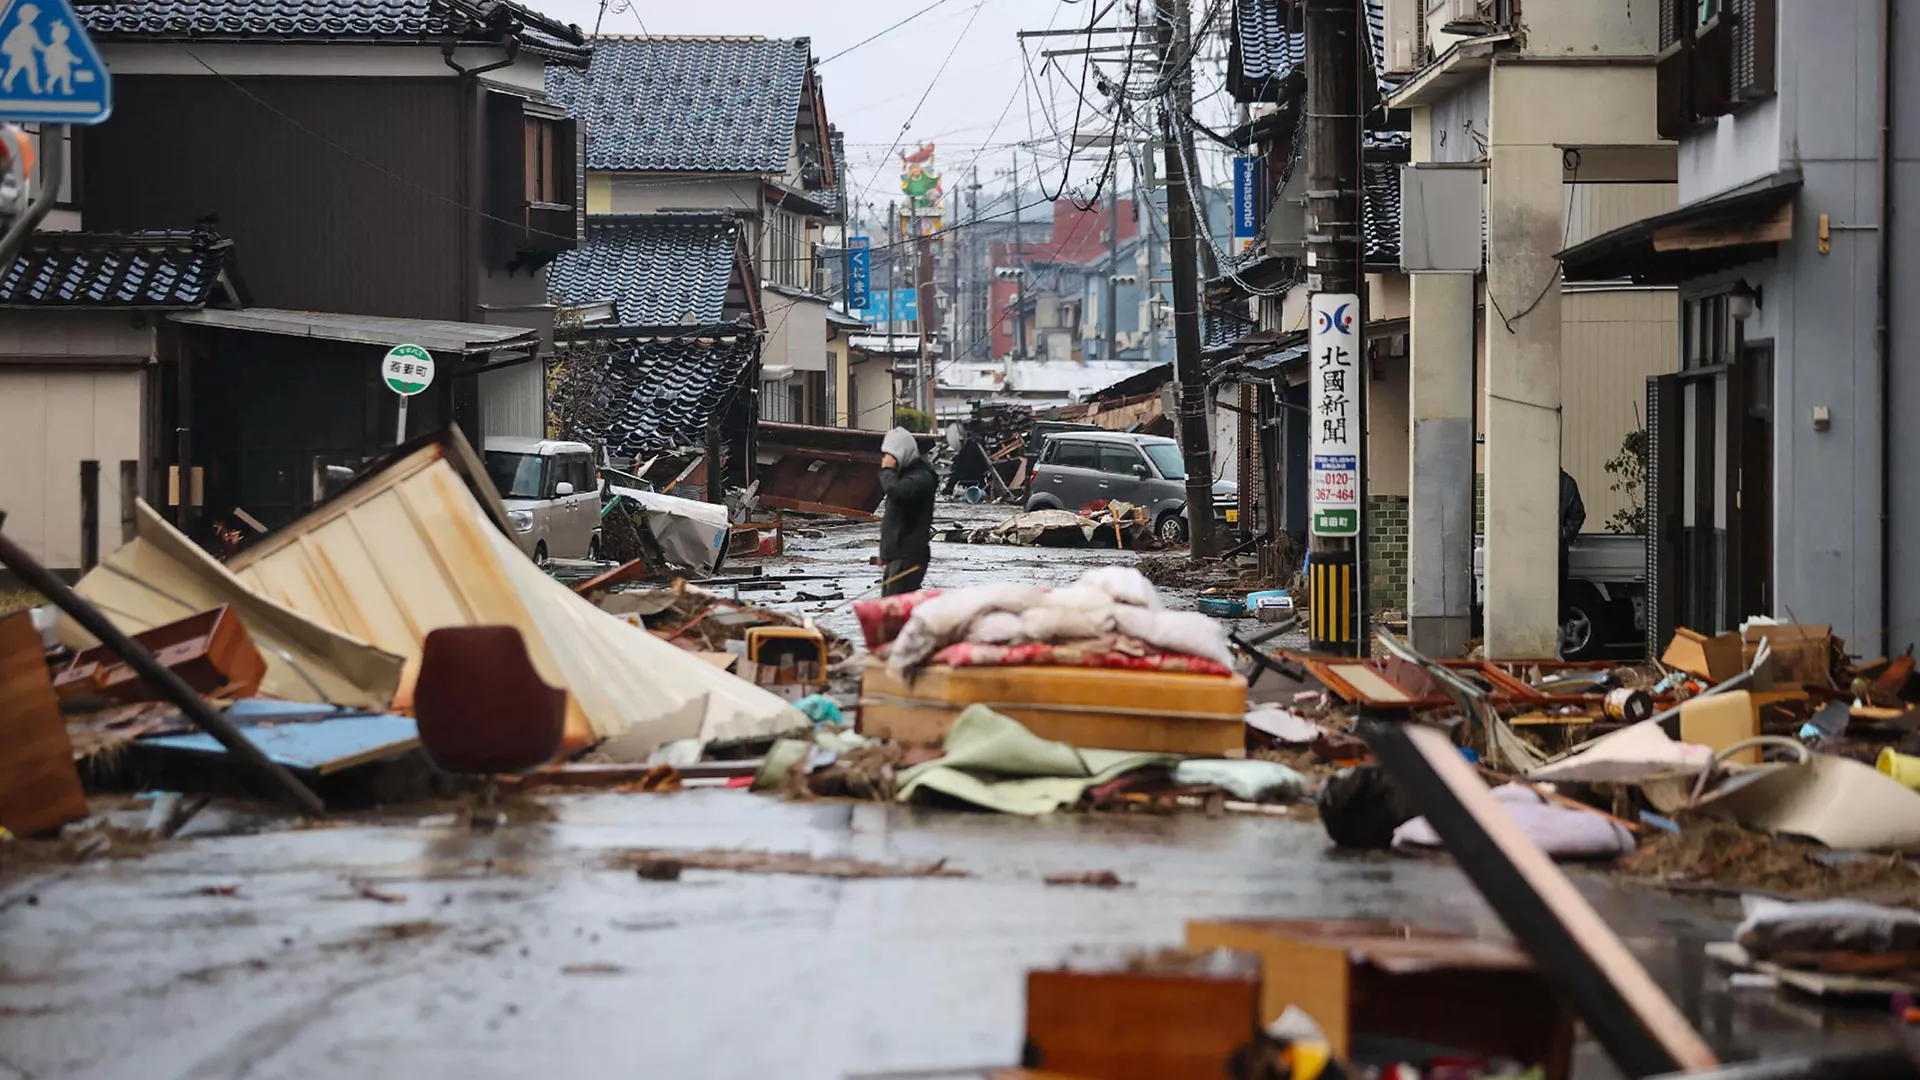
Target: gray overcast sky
[{"x": 872, "y": 91}]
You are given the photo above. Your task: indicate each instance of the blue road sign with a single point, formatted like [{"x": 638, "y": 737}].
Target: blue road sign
[
  {"x": 898, "y": 305},
  {"x": 49, "y": 70},
  {"x": 1246, "y": 221},
  {"x": 860, "y": 272}
]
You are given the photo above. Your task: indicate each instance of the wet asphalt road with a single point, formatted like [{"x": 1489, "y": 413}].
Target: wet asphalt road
[{"x": 521, "y": 954}]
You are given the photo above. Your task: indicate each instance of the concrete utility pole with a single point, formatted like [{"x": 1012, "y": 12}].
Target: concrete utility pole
[
  {"x": 893, "y": 216},
  {"x": 1337, "y": 361},
  {"x": 1110, "y": 307},
  {"x": 1195, "y": 440},
  {"x": 976, "y": 311},
  {"x": 1019, "y": 269},
  {"x": 1143, "y": 188},
  {"x": 1183, "y": 99}
]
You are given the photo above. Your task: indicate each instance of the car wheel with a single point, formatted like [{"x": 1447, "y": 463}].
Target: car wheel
[
  {"x": 540, "y": 555},
  {"x": 593, "y": 549},
  {"x": 1583, "y": 623},
  {"x": 1172, "y": 529}
]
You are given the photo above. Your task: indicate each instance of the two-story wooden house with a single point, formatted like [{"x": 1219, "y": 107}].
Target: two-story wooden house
[
  {"x": 387, "y": 172},
  {"x": 730, "y": 124}
]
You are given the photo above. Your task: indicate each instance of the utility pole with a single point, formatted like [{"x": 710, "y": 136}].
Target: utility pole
[
  {"x": 976, "y": 311},
  {"x": 1110, "y": 307},
  {"x": 920, "y": 249},
  {"x": 1183, "y": 100},
  {"x": 1195, "y": 440},
  {"x": 1144, "y": 187},
  {"x": 1337, "y": 351},
  {"x": 1019, "y": 269},
  {"x": 892, "y": 252}
]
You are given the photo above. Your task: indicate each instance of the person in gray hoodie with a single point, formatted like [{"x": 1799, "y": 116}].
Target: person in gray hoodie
[{"x": 906, "y": 519}]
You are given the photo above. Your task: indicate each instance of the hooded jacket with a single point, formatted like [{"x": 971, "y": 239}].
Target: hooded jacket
[{"x": 906, "y": 519}]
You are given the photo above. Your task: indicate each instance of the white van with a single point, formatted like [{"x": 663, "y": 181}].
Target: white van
[{"x": 551, "y": 495}]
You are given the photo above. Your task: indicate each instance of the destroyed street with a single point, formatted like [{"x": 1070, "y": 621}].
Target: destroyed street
[{"x": 1009, "y": 540}]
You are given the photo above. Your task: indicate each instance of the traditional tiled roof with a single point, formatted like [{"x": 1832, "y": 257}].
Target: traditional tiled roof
[
  {"x": 117, "y": 270},
  {"x": 649, "y": 393},
  {"x": 1266, "y": 57},
  {"x": 688, "y": 104},
  {"x": 384, "y": 20},
  {"x": 666, "y": 269},
  {"x": 1266, "y": 60},
  {"x": 1380, "y": 211}
]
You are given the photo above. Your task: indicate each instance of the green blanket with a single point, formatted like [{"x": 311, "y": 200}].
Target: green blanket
[{"x": 995, "y": 763}]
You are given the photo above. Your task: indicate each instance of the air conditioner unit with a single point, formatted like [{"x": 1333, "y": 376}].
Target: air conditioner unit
[
  {"x": 1471, "y": 17},
  {"x": 1400, "y": 56}
]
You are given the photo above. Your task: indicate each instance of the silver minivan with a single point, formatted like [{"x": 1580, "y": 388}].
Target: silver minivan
[
  {"x": 1081, "y": 467},
  {"x": 550, "y": 493}
]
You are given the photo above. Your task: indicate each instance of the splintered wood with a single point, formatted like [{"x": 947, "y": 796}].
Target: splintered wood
[
  {"x": 39, "y": 787},
  {"x": 773, "y": 862}
]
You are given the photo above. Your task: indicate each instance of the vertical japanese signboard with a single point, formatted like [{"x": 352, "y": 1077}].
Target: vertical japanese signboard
[
  {"x": 859, "y": 272},
  {"x": 1246, "y": 218},
  {"x": 1334, "y": 486}
]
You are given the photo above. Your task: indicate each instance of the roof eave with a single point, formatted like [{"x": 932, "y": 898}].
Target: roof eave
[{"x": 1464, "y": 62}]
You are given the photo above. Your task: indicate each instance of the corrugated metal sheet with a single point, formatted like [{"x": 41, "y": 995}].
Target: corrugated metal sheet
[
  {"x": 411, "y": 549},
  {"x": 1610, "y": 342},
  {"x": 1593, "y": 209},
  {"x": 513, "y": 401},
  {"x": 430, "y": 334},
  {"x": 161, "y": 577}
]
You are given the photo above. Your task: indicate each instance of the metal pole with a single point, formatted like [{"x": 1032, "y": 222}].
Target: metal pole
[
  {"x": 1183, "y": 100},
  {"x": 1334, "y": 239},
  {"x": 157, "y": 675},
  {"x": 400, "y": 431},
  {"x": 1195, "y": 441}
]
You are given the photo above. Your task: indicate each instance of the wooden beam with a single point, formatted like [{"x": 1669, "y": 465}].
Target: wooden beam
[{"x": 1724, "y": 233}]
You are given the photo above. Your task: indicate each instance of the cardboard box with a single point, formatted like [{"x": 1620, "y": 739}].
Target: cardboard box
[
  {"x": 1150, "y": 711},
  {"x": 1802, "y": 654},
  {"x": 1373, "y": 977},
  {"x": 1719, "y": 721},
  {"x": 1143, "y": 1016},
  {"x": 1715, "y": 659}
]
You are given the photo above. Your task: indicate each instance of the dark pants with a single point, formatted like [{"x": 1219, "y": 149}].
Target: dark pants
[{"x": 900, "y": 580}]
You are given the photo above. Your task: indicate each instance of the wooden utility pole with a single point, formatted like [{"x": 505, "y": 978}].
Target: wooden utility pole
[
  {"x": 1195, "y": 440},
  {"x": 1336, "y": 287}
]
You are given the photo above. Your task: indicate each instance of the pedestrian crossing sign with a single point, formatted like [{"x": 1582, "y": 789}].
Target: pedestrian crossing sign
[{"x": 50, "y": 72}]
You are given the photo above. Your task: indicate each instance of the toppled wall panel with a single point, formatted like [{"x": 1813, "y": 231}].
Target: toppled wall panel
[
  {"x": 412, "y": 548},
  {"x": 161, "y": 577}
]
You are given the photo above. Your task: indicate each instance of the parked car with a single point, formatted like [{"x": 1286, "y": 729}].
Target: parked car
[
  {"x": 550, "y": 493},
  {"x": 1081, "y": 467},
  {"x": 1604, "y": 612}
]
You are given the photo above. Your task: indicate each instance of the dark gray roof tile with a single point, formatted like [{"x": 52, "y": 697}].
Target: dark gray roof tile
[
  {"x": 668, "y": 269},
  {"x": 688, "y": 104},
  {"x": 241, "y": 20},
  {"x": 116, "y": 270},
  {"x": 646, "y": 394}
]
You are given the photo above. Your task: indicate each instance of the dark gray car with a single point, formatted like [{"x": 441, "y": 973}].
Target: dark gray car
[{"x": 1081, "y": 467}]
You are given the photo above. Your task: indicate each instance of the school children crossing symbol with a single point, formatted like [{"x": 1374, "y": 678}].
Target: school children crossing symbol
[{"x": 49, "y": 70}]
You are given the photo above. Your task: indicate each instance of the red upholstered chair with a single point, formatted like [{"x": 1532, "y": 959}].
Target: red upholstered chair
[{"x": 483, "y": 709}]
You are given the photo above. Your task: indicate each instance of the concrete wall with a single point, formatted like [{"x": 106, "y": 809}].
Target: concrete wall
[
  {"x": 1589, "y": 29},
  {"x": 1535, "y": 110},
  {"x": 647, "y": 193},
  {"x": 838, "y": 375}
]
